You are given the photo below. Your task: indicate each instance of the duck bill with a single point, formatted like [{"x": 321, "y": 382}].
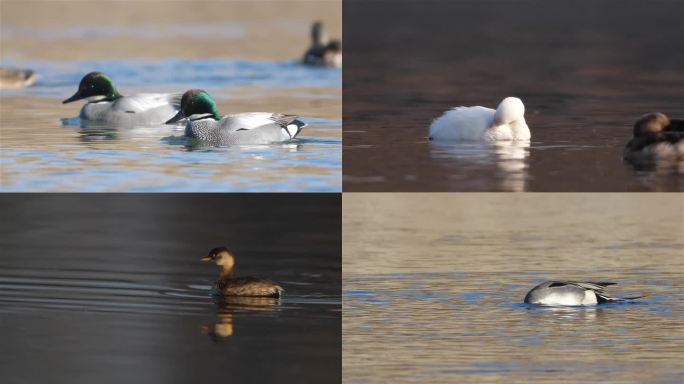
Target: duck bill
[
  {"x": 206, "y": 258},
  {"x": 179, "y": 116},
  {"x": 76, "y": 96}
]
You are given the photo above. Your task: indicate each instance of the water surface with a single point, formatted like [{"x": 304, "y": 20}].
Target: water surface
[
  {"x": 433, "y": 288},
  {"x": 109, "y": 288},
  {"x": 45, "y": 147},
  {"x": 585, "y": 71}
]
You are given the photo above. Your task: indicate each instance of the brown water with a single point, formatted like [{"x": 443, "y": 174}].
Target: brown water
[
  {"x": 433, "y": 286},
  {"x": 246, "y": 55},
  {"x": 585, "y": 71},
  {"x": 109, "y": 288}
]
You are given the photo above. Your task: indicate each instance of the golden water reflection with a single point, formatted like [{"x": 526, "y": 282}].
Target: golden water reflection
[{"x": 434, "y": 285}]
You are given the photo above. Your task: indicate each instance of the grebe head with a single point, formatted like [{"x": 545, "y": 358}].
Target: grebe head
[
  {"x": 222, "y": 257},
  {"x": 510, "y": 109},
  {"x": 650, "y": 123}
]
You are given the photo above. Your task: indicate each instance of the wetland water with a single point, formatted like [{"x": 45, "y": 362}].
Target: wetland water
[
  {"x": 226, "y": 48},
  {"x": 110, "y": 289},
  {"x": 585, "y": 71},
  {"x": 433, "y": 288}
]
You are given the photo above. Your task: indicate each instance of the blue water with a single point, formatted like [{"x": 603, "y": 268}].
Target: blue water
[
  {"x": 49, "y": 149},
  {"x": 214, "y": 75}
]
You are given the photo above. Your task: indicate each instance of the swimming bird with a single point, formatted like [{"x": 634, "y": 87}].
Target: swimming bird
[
  {"x": 572, "y": 293},
  {"x": 323, "y": 51},
  {"x": 105, "y": 104},
  {"x": 204, "y": 123},
  {"x": 656, "y": 137},
  {"x": 507, "y": 122},
  {"x": 227, "y": 285},
  {"x": 14, "y": 78}
]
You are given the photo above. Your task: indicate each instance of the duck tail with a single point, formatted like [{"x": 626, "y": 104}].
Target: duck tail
[
  {"x": 290, "y": 123},
  {"x": 294, "y": 127},
  {"x": 601, "y": 298},
  {"x": 602, "y": 283}
]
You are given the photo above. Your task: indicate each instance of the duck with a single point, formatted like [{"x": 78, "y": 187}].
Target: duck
[
  {"x": 323, "y": 52},
  {"x": 506, "y": 123},
  {"x": 656, "y": 137},
  {"x": 205, "y": 124},
  {"x": 572, "y": 293},
  {"x": 227, "y": 285},
  {"x": 105, "y": 103},
  {"x": 15, "y": 78}
]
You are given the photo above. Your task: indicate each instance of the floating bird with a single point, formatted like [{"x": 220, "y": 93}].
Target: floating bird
[
  {"x": 205, "y": 124},
  {"x": 507, "y": 122},
  {"x": 572, "y": 293},
  {"x": 323, "y": 51},
  {"x": 656, "y": 137},
  {"x": 14, "y": 78},
  {"x": 107, "y": 105},
  {"x": 227, "y": 285}
]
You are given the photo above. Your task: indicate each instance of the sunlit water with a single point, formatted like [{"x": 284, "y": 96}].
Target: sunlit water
[
  {"x": 585, "y": 73},
  {"x": 433, "y": 288},
  {"x": 110, "y": 288},
  {"x": 46, "y": 148}
]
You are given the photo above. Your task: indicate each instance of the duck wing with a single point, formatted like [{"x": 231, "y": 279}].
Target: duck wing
[
  {"x": 594, "y": 286},
  {"x": 672, "y": 135},
  {"x": 599, "y": 288},
  {"x": 263, "y": 121},
  {"x": 143, "y": 102}
]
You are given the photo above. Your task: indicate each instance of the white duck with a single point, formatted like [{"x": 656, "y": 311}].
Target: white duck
[
  {"x": 507, "y": 122},
  {"x": 572, "y": 293},
  {"x": 107, "y": 105}
]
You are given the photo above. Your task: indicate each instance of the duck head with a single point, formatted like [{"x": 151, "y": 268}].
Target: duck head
[
  {"x": 318, "y": 37},
  {"x": 97, "y": 86},
  {"x": 196, "y": 104},
  {"x": 510, "y": 110},
  {"x": 223, "y": 258},
  {"x": 650, "y": 123}
]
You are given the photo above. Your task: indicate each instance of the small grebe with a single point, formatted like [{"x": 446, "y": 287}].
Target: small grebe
[
  {"x": 238, "y": 286},
  {"x": 572, "y": 293},
  {"x": 656, "y": 137}
]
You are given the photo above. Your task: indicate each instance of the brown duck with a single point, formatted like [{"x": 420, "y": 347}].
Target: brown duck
[
  {"x": 657, "y": 137},
  {"x": 227, "y": 285}
]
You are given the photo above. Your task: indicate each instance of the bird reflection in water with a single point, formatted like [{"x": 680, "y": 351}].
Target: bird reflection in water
[
  {"x": 223, "y": 328},
  {"x": 510, "y": 158}
]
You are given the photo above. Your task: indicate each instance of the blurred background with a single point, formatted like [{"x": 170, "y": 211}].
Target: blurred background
[
  {"x": 247, "y": 55},
  {"x": 110, "y": 288}
]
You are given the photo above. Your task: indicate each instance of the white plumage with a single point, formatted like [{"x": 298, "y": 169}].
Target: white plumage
[{"x": 507, "y": 122}]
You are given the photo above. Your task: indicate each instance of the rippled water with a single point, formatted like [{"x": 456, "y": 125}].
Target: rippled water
[
  {"x": 45, "y": 148},
  {"x": 433, "y": 288},
  {"x": 585, "y": 72},
  {"x": 246, "y": 57},
  {"x": 110, "y": 288}
]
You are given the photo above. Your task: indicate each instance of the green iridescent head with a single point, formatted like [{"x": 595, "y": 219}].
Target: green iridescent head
[
  {"x": 96, "y": 85},
  {"x": 196, "y": 102}
]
